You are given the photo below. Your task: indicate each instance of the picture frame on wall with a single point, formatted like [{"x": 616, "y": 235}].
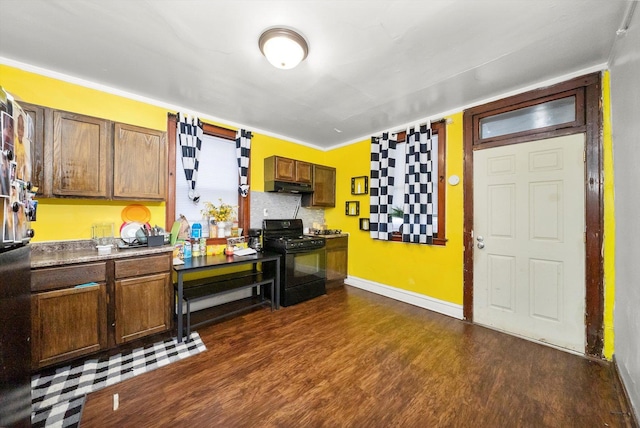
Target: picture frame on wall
[
  {"x": 352, "y": 208},
  {"x": 360, "y": 185},
  {"x": 364, "y": 224}
]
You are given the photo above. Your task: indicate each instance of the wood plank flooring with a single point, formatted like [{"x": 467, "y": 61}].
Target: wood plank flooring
[{"x": 355, "y": 359}]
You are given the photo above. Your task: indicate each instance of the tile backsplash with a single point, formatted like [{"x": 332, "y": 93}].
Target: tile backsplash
[{"x": 281, "y": 205}]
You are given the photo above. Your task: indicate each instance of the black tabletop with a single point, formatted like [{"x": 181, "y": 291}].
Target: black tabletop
[{"x": 223, "y": 260}]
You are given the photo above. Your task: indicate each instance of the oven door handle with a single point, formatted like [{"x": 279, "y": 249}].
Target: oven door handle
[{"x": 303, "y": 250}]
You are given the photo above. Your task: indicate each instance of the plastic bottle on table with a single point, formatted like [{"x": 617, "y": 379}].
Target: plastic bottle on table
[
  {"x": 187, "y": 249},
  {"x": 196, "y": 231},
  {"x": 195, "y": 248}
]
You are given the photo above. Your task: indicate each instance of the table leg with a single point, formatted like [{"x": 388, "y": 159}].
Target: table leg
[
  {"x": 277, "y": 284},
  {"x": 179, "y": 311}
]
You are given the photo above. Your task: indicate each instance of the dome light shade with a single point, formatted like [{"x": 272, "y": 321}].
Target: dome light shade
[{"x": 283, "y": 48}]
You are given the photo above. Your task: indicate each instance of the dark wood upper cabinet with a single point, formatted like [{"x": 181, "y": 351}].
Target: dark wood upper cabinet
[
  {"x": 37, "y": 115},
  {"x": 303, "y": 172},
  {"x": 139, "y": 163},
  {"x": 324, "y": 188},
  {"x": 285, "y": 169},
  {"x": 81, "y": 155},
  {"x": 75, "y": 155}
]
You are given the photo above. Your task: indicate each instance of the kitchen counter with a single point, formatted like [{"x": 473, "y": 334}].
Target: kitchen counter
[
  {"x": 57, "y": 253},
  {"x": 332, "y": 236}
]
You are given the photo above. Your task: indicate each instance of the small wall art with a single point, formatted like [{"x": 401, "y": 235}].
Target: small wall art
[
  {"x": 352, "y": 208},
  {"x": 360, "y": 185}
]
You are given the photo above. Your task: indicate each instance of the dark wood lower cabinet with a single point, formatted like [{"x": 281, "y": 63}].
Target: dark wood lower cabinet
[
  {"x": 337, "y": 260},
  {"x": 131, "y": 299},
  {"x": 142, "y": 306},
  {"x": 68, "y": 323}
]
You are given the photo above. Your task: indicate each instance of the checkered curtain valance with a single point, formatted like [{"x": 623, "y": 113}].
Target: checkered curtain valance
[
  {"x": 189, "y": 137},
  {"x": 243, "y": 150},
  {"x": 383, "y": 161},
  {"x": 419, "y": 187}
]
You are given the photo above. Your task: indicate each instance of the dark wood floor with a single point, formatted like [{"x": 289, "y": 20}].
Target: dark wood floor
[{"x": 355, "y": 359}]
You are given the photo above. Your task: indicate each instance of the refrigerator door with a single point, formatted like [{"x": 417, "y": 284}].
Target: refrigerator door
[
  {"x": 15, "y": 331},
  {"x": 17, "y": 204}
]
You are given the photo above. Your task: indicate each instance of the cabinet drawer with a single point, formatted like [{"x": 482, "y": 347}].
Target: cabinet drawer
[
  {"x": 66, "y": 276},
  {"x": 142, "y": 266}
]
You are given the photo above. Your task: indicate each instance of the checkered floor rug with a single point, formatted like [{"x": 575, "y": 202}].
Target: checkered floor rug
[{"x": 58, "y": 395}]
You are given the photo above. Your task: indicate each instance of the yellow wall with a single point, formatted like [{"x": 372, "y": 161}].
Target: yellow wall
[
  {"x": 609, "y": 220},
  {"x": 435, "y": 271},
  {"x": 62, "y": 219}
]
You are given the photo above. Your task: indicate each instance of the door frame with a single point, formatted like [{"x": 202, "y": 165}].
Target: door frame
[{"x": 588, "y": 93}]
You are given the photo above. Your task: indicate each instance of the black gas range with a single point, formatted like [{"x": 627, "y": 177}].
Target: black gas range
[{"x": 303, "y": 268}]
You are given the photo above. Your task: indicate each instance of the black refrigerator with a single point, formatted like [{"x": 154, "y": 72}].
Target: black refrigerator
[
  {"x": 15, "y": 331},
  {"x": 17, "y": 210}
]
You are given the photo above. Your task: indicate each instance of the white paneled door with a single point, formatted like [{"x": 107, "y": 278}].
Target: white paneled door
[{"x": 529, "y": 254}]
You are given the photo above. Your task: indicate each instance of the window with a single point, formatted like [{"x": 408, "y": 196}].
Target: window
[
  {"x": 388, "y": 194},
  {"x": 398, "y": 189},
  {"x": 537, "y": 116},
  {"x": 176, "y": 175},
  {"x": 217, "y": 178}
]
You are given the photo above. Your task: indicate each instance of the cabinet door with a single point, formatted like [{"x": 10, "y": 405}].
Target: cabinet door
[
  {"x": 68, "y": 323},
  {"x": 337, "y": 258},
  {"x": 324, "y": 188},
  {"x": 143, "y": 306},
  {"x": 81, "y": 155},
  {"x": 37, "y": 115},
  {"x": 303, "y": 172},
  {"x": 285, "y": 169},
  {"x": 139, "y": 163}
]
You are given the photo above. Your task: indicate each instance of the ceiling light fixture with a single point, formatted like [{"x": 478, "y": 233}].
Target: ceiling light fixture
[{"x": 283, "y": 48}]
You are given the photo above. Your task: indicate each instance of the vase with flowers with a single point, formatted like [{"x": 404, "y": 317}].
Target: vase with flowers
[{"x": 220, "y": 218}]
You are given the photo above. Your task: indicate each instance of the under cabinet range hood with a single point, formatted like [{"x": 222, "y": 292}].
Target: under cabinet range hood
[{"x": 287, "y": 187}]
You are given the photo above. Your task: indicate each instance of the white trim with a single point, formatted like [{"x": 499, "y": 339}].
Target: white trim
[
  {"x": 152, "y": 101},
  {"x": 433, "y": 118},
  {"x": 410, "y": 297}
]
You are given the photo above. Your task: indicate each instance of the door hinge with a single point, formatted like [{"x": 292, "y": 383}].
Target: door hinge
[
  {"x": 584, "y": 156},
  {"x": 584, "y": 237}
]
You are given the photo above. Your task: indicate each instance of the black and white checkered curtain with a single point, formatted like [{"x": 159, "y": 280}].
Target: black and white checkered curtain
[
  {"x": 189, "y": 137},
  {"x": 383, "y": 161},
  {"x": 243, "y": 150},
  {"x": 419, "y": 187}
]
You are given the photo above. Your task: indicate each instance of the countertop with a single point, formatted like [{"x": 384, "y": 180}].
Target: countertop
[
  {"x": 58, "y": 253},
  {"x": 333, "y": 235}
]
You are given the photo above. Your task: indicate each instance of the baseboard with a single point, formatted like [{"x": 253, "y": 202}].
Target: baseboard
[
  {"x": 410, "y": 297},
  {"x": 626, "y": 405}
]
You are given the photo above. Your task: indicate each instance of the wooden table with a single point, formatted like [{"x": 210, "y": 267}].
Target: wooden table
[{"x": 198, "y": 264}]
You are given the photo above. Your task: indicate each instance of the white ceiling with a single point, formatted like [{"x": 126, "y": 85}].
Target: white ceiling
[{"x": 372, "y": 64}]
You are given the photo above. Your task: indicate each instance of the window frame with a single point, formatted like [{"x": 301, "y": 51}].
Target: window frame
[
  {"x": 170, "y": 206},
  {"x": 438, "y": 128}
]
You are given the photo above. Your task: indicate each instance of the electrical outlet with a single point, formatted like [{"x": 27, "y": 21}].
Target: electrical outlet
[
  {"x": 265, "y": 212},
  {"x": 116, "y": 401}
]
